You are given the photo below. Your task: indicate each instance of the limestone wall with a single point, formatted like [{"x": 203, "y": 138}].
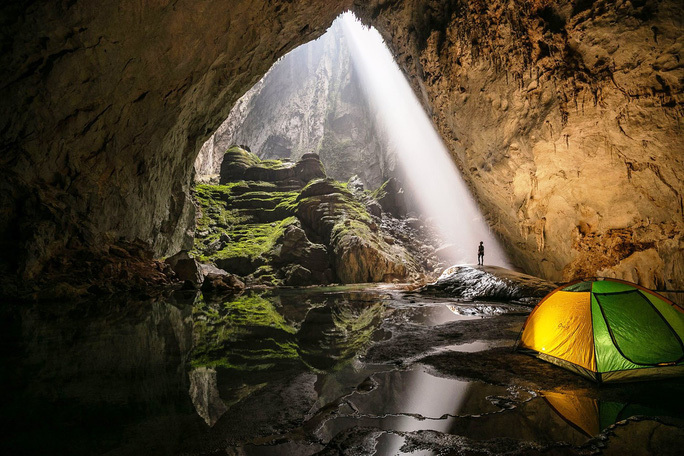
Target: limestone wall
[{"x": 565, "y": 118}]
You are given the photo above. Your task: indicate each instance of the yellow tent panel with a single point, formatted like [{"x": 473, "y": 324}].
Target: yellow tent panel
[{"x": 570, "y": 337}]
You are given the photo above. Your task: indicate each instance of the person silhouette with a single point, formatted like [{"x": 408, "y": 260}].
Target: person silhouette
[{"x": 480, "y": 254}]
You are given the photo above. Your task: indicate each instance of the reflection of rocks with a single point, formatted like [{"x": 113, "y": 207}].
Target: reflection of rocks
[
  {"x": 205, "y": 396},
  {"x": 337, "y": 331},
  {"x": 488, "y": 282},
  {"x": 259, "y": 332}
]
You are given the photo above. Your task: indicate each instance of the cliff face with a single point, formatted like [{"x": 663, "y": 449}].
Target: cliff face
[
  {"x": 311, "y": 100},
  {"x": 565, "y": 118},
  {"x": 105, "y": 105}
]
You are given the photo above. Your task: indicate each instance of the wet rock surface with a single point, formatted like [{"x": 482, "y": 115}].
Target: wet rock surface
[
  {"x": 102, "y": 119},
  {"x": 569, "y": 141},
  {"x": 339, "y": 370},
  {"x": 489, "y": 283}
]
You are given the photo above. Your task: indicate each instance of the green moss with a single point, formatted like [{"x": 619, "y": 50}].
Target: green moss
[
  {"x": 245, "y": 334},
  {"x": 240, "y": 157},
  {"x": 214, "y": 208},
  {"x": 244, "y": 215},
  {"x": 251, "y": 240},
  {"x": 272, "y": 164},
  {"x": 266, "y": 275},
  {"x": 381, "y": 191}
]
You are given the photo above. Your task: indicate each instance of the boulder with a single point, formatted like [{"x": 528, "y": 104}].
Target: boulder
[
  {"x": 211, "y": 269},
  {"x": 241, "y": 265},
  {"x": 297, "y": 275},
  {"x": 490, "y": 283},
  {"x": 361, "y": 259},
  {"x": 189, "y": 270},
  {"x": 172, "y": 260},
  {"x": 235, "y": 162},
  {"x": 309, "y": 167},
  {"x": 374, "y": 209},
  {"x": 294, "y": 247},
  {"x": 223, "y": 283}
]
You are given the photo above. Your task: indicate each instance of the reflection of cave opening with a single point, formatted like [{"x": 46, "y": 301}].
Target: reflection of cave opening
[{"x": 344, "y": 98}]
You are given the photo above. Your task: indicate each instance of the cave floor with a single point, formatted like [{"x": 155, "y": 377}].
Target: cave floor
[{"x": 337, "y": 370}]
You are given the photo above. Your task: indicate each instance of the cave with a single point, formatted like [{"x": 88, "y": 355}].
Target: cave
[
  {"x": 103, "y": 118},
  {"x": 563, "y": 119}
]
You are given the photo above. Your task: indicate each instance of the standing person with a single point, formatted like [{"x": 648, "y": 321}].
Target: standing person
[{"x": 480, "y": 254}]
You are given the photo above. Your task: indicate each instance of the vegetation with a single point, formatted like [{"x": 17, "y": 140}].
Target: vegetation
[
  {"x": 251, "y": 220},
  {"x": 251, "y": 334},
  {"x": 241, "y": 224}
]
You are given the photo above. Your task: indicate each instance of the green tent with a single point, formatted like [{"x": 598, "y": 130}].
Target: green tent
[{"x": 607, "y": 330}]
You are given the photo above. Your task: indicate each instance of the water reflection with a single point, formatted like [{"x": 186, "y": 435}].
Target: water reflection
[
  {"x": 264, "y": 333},
  {"x": 591, "y": 416},
  {"x": 268, "y": 372},
  {"x": 94, "y": 377}
]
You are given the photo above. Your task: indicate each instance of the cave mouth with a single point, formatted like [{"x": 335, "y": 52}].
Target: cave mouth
[{"x": 342, "y": 100}]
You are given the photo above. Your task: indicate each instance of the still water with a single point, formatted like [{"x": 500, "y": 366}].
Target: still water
[{"x": 299, "y": 371}]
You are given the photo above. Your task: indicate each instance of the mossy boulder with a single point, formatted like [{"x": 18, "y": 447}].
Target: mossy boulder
[
  {"x": 320, "y": 233},
  {"x": 239, "y": 164},
  {"x": 359, "y": 253},
  {"x": 236, "y": 161}
]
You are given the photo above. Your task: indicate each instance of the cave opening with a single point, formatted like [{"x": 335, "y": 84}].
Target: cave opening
[{"x": 343, "y": 100}]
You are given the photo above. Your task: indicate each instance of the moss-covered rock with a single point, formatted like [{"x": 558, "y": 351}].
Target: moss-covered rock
[
  {"x": 317, "y": 234},
  {"x": 239, "y": 164},
  {"x": 360, "y": 254}
]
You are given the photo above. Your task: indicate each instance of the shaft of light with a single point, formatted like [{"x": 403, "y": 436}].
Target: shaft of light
[{"x": 433, "y": 178}]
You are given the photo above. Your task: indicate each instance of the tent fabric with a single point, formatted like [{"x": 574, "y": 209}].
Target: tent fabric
[{"x": 607, "y": 330}]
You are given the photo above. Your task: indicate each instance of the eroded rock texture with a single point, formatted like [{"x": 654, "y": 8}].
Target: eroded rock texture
[
  {"x": 281, "y": 223},
  {"x": 565, "y": 118},
  {"x": 105, "y": 105}
]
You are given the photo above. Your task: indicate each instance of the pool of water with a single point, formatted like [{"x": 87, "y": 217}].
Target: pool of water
[{"x": 293, "y": 371}]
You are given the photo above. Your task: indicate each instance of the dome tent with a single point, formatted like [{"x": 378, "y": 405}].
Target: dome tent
[{"x": 607, "y": 330}]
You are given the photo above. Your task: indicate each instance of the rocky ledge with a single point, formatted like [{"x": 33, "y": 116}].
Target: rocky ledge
[
  {"x": 489, "y": 282},
  {"x": 275, "y": 223}
]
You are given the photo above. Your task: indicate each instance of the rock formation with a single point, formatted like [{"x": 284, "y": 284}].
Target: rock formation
[
  {"x": 104, "y": 107},
  {"x": 565, "y": 118},
  {"x": 489, "y": 283},
  {"x": 286, "y": 223},
  {"x": 311, "y": 100}
]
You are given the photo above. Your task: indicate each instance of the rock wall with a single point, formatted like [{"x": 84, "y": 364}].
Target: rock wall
[
  {"x": 105, "y": 105},
  {"x": 565, "y": 118},
  {"x": 311, "y": 100}
]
